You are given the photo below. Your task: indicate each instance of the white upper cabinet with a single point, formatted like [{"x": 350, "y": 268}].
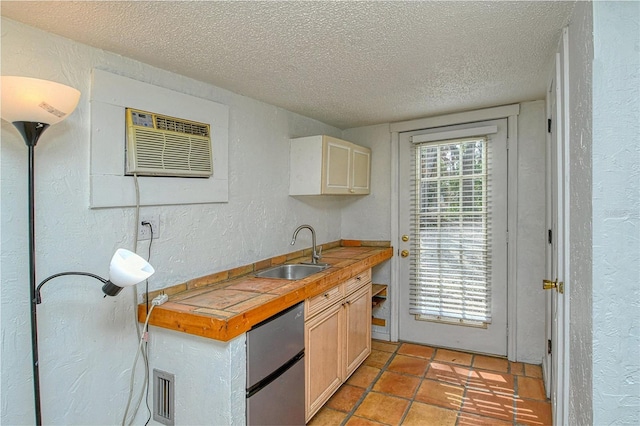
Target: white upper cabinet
[{"x": 326, "y": 165}]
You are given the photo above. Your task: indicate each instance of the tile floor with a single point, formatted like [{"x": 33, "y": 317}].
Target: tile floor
[{"x": 408, "y": 384}]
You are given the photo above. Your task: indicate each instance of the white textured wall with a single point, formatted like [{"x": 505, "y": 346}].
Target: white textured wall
[
  {"x": 371, "y": 215},
  {"x": 530, "y": 263},
  {"x": 579, "y": 215},
  {"x": 87, "y": 343},
  {"x": 616, "y": 213}
]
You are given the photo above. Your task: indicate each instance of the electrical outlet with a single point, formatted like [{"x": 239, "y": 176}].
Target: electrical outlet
[{"x": 144, "y": 231}]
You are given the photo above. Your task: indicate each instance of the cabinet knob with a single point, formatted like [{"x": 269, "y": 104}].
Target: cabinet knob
[
  {"x": 352, "y": 190},
  {"x": 326, "y": 295},
  {"x": 404, "y": 253}
]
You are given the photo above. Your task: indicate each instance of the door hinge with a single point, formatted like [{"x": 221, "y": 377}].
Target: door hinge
[
  {"x": 507, "y": 144},
  {"x": 548, "y": 125},
  {"x": 550, "y": 235},
  {"x": 549, "y": 346}
]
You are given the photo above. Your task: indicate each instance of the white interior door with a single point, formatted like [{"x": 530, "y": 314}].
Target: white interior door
[
  {"x": 556, "y": 361},
  {"x": 446, "y": 325},
  {"x": 551, "y": 220}
]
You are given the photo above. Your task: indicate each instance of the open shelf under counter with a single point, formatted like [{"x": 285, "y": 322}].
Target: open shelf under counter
[{"x": 379, "y": 295}]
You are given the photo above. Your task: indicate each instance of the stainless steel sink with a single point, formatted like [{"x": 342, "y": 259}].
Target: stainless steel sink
[{"x": 291, "y": 272}]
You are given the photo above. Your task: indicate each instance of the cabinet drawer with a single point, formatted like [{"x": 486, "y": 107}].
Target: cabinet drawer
[
  {"x": 356, "y": 282},
  {"x": 320, "y": 302}
]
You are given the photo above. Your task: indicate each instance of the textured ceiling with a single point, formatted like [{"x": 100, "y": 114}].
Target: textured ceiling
[{"x": 344, "y": 63}]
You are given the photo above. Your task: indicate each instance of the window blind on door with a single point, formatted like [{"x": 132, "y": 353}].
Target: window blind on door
[{"x": 450, "y": 263}]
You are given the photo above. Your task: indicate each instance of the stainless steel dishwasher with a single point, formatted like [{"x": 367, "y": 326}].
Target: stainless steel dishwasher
[{"x": 275, "y": 370}]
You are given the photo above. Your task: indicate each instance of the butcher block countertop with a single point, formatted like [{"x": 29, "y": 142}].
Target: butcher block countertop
[{"x": 227, "y": 304}]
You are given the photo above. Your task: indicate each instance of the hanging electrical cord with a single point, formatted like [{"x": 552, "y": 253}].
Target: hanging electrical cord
[
  {"x": 146, "y": 282},
  {"x": 146, "y": 346},
  {"x": 133, "y": 367},
  {"x": 135, "y": 248},
  {"x": 144, "y": 350},
  {"x": 140, "y": 334},
  {"x": 158, "y": 300}
]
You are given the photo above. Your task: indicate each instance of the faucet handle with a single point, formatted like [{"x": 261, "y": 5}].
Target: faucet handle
[{"x": 319, "y": 252}]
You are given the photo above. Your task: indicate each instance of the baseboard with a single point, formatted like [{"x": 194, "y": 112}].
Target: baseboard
[{"x": 380, "y": 336}]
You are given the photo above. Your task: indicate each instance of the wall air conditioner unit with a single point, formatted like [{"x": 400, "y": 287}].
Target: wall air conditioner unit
[{"x": 158, "y": 145}]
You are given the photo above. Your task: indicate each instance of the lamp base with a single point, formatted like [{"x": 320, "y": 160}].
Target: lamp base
[
  {"x": 30, "y": 131},
  {"x": 110, "y": 289}
]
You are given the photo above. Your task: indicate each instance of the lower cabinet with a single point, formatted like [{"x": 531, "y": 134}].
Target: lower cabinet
[
  {"x": 323, "y": 357},
  {"x": 337, "y": 338},
  {"x": 357, "y": 340}
]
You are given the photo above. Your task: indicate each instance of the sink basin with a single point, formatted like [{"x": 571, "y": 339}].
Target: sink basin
[{"x": 291, "y": 272}]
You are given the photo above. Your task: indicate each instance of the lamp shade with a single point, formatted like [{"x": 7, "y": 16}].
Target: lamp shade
[
  {"x": 34, "y": 100},
  {"x": 127, "y": 269}
]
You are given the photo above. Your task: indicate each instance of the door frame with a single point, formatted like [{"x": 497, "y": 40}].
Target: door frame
[
  {"x": 562, "y": 417},
  {"x": 510, "y": 112}
]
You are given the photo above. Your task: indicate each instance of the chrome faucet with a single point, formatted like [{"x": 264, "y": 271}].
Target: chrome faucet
[{"x": 315, "y": 256}]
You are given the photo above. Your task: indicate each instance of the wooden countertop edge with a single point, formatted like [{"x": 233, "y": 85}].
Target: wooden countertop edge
[{"x": 204, "y": 325}]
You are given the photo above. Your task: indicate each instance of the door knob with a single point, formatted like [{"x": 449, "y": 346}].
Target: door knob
[
  {"x": 550, "y": 285},
  {"x": 404, "y": 253}
]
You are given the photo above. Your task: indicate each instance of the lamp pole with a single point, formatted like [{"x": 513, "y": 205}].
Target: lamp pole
[
  {"x": 31, "y": 132},
  {"x": 32, "y": 286}
]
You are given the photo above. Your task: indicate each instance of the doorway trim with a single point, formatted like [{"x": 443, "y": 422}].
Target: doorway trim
[{"x": 510, "y": 112}]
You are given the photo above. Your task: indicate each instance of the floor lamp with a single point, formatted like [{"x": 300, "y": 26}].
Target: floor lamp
[{"x": 32, "y": 105}]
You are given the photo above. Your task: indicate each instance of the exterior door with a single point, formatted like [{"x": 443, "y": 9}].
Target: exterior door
[{"x": 445, "y": 277}]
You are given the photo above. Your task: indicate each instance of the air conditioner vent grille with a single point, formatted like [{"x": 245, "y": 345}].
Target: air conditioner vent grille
[
  {"x": 179, "y": 148},
  {"x": 181, "y": 126}
]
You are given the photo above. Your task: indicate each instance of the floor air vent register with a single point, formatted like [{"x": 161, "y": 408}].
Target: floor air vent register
[{"x": 163, "y": 397}]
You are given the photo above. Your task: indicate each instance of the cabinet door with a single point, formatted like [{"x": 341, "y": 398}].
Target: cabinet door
[
  {"x": 323, "y": 362},
  {"x": 336, "y": 166},
  {"x": 361, "y": 170},
  {"x": 358, "y": 328}
]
